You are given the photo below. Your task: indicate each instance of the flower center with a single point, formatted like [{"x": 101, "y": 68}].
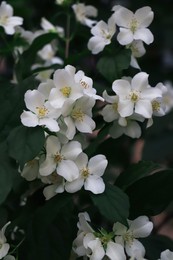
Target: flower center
[
  {"x": 85, "y": 172},
  {"x": 134, "y": 96},
  {"x": 156, "y": 105},
  {"x": 128, "y": 237},
  {"x": 115, "y": 106},
  {"x": 58, "y": 157},
  {"x": 77, "y": 114},
  {"x": 3, "y": 20},
  {"x": 66, "y": 91},
  {"x": 42, "y": 111},
  {"x": 84, "y": 84},
  {"x": 134, "y": 25}
]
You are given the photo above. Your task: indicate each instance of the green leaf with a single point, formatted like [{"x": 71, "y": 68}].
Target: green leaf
[
  {"x": 112, "y": 67},
  {"x": 51, "y": 230},
  {"x": 25, "y": 143},
  {"x": 136, "y": 172},
  {"x": 23, "y": 68},
  {"x": 151, "y": 195},
  {"x": 113, "y": 204},
  {"x": 155, "y": 244}
]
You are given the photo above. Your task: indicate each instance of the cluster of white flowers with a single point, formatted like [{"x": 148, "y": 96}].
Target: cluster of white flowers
[
  {"x": 120, "y": 243},
  {"x": 132, "y": 31},
  {"x": 135, "y": 101},
  {"x": 64, "y": 105}
]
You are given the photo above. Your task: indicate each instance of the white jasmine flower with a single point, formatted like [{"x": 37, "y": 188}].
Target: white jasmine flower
[
  {"x": 133, "y": 25},
  {"x": 166, "y": 255},
  {"x": 127, "y": 237},
  {"x": 7, "y": 20},
  {"x": 82, "y": 12},
  {"x": 47, "y": 53},
  {"x": 78, "y": 116},
  {"x": 90, "y": 174},
  {"x": 110, "y": 111},
  {"x": 4, "y": 247},
  {"x": 103, "y": 33},
  {"x": 66, "y": 87},
  {"x": 61, "y": 158},
  {"x": 49, "y": 27},
  {"x": 41, "y": 113},
  {"x": 135, "y": 96},
  {"x": 87, "y": 85}
]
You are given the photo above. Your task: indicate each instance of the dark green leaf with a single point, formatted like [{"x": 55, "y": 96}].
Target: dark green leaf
[
  {"x": 152, "y": 194},
  {"x": 51, "y": 230},
  {"x": 113, "y": 204},
  {"x": 25, "y": 143},
  {"x": 136, "y": 172},
  {"x": 112, "y": 67},
  {"x": 156, "y": 244}
]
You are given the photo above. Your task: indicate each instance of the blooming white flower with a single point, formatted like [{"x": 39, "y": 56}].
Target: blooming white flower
[
  {"x": 166, "y": 255},
  {"x": 61, "y": 158},
  {"x": 49, "y": 27},
  {"x": 90, "y": 174},
  {"x": 127, "y": 237},
  {"x": 41, "y": 113},
  {"x": 133, "y": 25},
  {"x": 4, "y": 247},
  {"x": 103, "y": 33},
  {"x": 47, "y": 53},
  {"x": 87, "y": 85},
  {"x": 82, "y": 13},
  {"x": 7, "y": 20},
  {"x": 78, "y": 116},
  {"x": 135, "y": 96},
  {"x": 66, "y": 87}
]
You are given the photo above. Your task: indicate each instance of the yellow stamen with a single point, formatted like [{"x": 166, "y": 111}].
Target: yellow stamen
[
  {"x": 133, "y": 25},
  {"x": 84, "y": 84},
  {"x": 42, "y": 111},
  {"x": 77, "y": 114},
  {"x": 58, "y": 158},
  {"x": 134, "y": 96},
  {"x": 128, "y": 237},
  {"x": 156, "y": 105},
  {"x": 66, "y": 91},
  {"x": 85, "y": 172}
]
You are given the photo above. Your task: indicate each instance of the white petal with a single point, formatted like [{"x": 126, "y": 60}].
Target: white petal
[
  {"x": 109, "y": 113},
  {"x": 116, "y": 130},
  {"x": 47, "y": 167},
  {"x": 96, "y": 44},
  {"x": 115, "y": 251},
  {"x": 97, "y": 165},
  {"x": 4, "y": 250},
  {"x": 86, "y": 125},
  {"x": 52, "y": 145},
  {"x": 50, "y": 123},
  {"x": 75, "y": 185},
  {"x": 166, "y": 255},
  {"x": 82, "y": 161},
  {"x": 71, "y": 129},
  {"x": 151, "y": 93},
  {"x": 144, "y": 108},
  {"x": 71, "y": 150},
  {"x": 119, "y": 229},
  {"x": 33, "y": 99},
  {"x": 144, "y": 34},
  {"x": 144, "y": 16},
  {"x": 123, "y": 17},
  {"x": 136, "y": 249},
  {"x": 94, "y": 184},
  {"x": 125, "y": 108},
  {"x": 140, "y": 81},
  {"x": 121, "y": 87},
  {"x": 68, "y": 170},
  {"x": 29, "y": 119},
  {"x": 125, "y": 36},
  {"x": 56, "y": 100},
  {"x": 133, "y": 129},
  {"x": 49, "y": 191},
  {"x": 97, "y": 249},
  {"x": 141, "y": 226}
]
